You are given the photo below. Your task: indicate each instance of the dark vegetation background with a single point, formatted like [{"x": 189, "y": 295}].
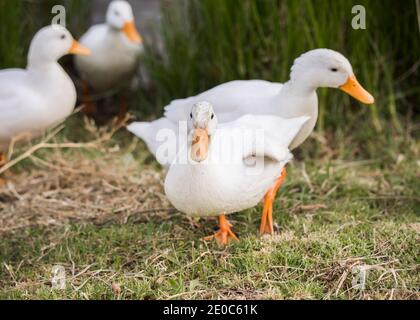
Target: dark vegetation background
[
  {"x": 200, "y": 44},
  {"x": 352, "y": 198}
]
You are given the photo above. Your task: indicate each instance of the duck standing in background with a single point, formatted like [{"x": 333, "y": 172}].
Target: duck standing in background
[
  {"x": 116, "y": 49},
  {"x": 42, "y": 95},
  {"x": 296, "y": 98},
  {"x": 228, "y": 168}
]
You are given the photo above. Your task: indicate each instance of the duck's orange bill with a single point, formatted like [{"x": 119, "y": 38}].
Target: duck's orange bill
[
  {"x": 353, "y": 88},
  {"x": 131, "y": 32},
  {"x": 200, "y": 145},
  {"x": 77, "y": 48}
]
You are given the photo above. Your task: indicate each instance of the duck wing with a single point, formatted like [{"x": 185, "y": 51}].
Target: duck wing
[
  {"x": 230, "y": 100},
  {"x": 268, "y": 136},
  {"x": 155, "y": 134},
  {"x": 19, "y": 104}
]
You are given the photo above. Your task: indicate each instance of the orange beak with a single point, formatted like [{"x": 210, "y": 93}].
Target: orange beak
[
  {"x": 353, "y": 88},
  {"x": 77, "y": 48},
  {"x": 131, "y": 32},
  {"x": 200, "y": 145}
]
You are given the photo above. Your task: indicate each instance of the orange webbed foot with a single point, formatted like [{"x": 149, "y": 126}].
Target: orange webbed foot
[{"x": 225, "y": 234}]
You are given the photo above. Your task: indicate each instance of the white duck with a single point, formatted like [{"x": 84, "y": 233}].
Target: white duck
[
  {"x": 296, "y": 98},
  {"x": 42, "y": 95},
  {"x": 229, "y": 167},
  {"x": 116, "y": 47}
]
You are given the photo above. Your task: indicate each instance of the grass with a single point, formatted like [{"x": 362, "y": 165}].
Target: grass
[
  {"x": 208, "y": 42},
  {"x": 102, "y": 215},
  {"x": 351, "y": 199}
]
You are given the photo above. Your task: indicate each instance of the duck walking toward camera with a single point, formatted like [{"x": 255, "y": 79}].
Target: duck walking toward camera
[
  {"x": 297, "y": 97},
  {"x": 116, "y": 47},
  {"x": 227, "y": 168},
  {"x": 42, "y": 95}
]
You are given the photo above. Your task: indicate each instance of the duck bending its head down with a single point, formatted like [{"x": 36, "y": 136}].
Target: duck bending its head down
[{"x": 230, "y": 166}]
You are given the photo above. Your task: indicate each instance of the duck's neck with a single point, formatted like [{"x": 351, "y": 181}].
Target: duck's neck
[
  {"x": 38, "y": 61},
  {"x": 42, "y": 66},
  {"x": 50, "y": 78},
  {"x": 299, "y": 88},
  {"x": 113, "y": 34},
  {"x": 48, "y": 73},
  {"x": 52, "y": 83},
  {"x": 297, "y": 98}
]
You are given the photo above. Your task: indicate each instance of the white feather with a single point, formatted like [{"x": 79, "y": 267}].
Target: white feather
[
  {"x": 115, "y": 59},
  {"x": 296, "y": 98},
  {"x": 226, "y": 182},
  {"x": 36, "y": 98}
]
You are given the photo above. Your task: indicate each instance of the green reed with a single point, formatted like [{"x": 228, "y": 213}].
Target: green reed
[
  {"x": 21, "y": 19},
  {"x": 208, "y": 42}
]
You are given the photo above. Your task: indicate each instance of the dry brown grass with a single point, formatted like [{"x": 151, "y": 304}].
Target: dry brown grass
[
  {"x": 68, "y": 188},
  {"x": 94, "y": 190},
  {"x": 99, "y": 211}
]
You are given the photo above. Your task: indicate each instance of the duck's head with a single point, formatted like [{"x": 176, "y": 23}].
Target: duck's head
[
  {"x": 120, "y": 16},
  {"x": 53, "y": 42},
  {"x": 204, "y": 124},
  {"x": 328, "y": 68}
]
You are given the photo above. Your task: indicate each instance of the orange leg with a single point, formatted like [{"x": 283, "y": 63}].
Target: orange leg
[
  {"x": 225, "y": 234},
  {"x": 123, "y": 109},
  {"x": 3, "y": 161},
  {"x": 267, "y": 226},
  {"x": 89, "y": 106}
]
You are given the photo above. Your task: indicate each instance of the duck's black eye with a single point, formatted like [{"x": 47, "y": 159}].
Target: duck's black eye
[
  {"x": 334, "y": 69},
  {"x": 191, "y": 115},
  {"x": 212, "y": 116},
  {"x": 117, "y": 13},
  {"x": 63, "y": 36}
]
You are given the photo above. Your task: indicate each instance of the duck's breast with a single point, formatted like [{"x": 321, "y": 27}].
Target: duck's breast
[
  {"x": 113, "y": 62},
  {"x": 58, "y": 93},
  {"x": 34, "y": 101},
  {"x": 213, "y": 189},
  {"x": 295, "y": 106}
]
